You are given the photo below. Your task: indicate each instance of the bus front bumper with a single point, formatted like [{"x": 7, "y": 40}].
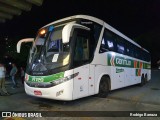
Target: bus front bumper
[{"x": 62, "y": 91}]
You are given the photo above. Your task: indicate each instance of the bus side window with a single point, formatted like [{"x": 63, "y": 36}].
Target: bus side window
[
  {"x": 103, "y": 47},
  {"x": 120, "y": 48},
  {"x": 128, "y": 49},
  {"x": 121, "y": 45},
  {"x": 107, "y": 43},
  {"x": 136, "y": 53}
]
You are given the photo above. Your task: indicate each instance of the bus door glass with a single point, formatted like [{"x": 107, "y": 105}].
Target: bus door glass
[{"x": 81, "y": 62}]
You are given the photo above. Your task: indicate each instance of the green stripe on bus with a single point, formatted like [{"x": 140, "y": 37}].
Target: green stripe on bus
[
  {"x": 138, "y": 72},
  {"x": 118, "y": 61},
  {"x": 46, "y": 78}
]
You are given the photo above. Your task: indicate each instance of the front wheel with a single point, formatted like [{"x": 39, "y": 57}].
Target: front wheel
[{"x": 103, "y": 87}]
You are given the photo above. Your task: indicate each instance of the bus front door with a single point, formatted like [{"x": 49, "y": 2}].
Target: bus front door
[{"x": 81, "y": 63}]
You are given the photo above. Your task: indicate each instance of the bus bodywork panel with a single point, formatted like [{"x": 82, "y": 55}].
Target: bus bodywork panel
[
  {"x": 122, "y": 70},
  {"x": 62, "y": 91},
  {"x": 84, "y": 82},
  {"x": 79, "y": 86}
]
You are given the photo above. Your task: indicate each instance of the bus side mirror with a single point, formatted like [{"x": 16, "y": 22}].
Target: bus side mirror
[
  {"x": 23, "y": 41},
  {"x": 68, "y": 30}
]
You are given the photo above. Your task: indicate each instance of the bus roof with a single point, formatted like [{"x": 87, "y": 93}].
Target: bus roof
[{"x": 101, "y": 22}]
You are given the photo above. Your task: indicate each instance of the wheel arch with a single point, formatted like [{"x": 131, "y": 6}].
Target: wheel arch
[{"x": 99, "y": 80}]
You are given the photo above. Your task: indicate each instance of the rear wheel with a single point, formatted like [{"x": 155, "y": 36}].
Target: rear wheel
[
  {"x": 142, "y": 80},
  {"x": 146, "y": 78},
  {"x": 103, "y": 87}
]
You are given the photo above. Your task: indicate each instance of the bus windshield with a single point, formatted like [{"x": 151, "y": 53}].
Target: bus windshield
[{"x": 48, "y": 51}]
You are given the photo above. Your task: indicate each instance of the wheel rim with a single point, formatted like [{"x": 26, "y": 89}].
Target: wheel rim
[{"x": 103, "y": 87}]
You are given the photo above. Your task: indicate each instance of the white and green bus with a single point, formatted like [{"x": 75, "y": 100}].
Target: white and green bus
[{"x": 79, "y": 56}]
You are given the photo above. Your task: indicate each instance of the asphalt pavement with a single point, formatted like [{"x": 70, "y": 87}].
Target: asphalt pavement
[
  {"x": 149, "y": 93},
  {"x": 9, "y": 86}
]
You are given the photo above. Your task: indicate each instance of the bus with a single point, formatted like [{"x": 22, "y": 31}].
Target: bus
[{"x": 81, "y": 55}]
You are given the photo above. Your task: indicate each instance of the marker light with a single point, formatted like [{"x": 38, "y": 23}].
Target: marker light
[{"x": 42, "y": 32}]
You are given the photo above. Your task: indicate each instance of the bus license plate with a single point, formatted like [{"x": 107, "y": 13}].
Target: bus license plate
[{"x": 37, "y": 92}]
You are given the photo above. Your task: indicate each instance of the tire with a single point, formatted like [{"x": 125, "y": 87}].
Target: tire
[
  {"x": 146, "y": 78},
  {"x": 103, "y": 87},
  {"x": 142, "y": 81}
]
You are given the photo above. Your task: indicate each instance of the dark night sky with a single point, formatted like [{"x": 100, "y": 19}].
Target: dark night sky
[{"x": 137, "y": 19}]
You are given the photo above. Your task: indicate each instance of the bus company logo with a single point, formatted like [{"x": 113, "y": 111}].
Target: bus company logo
[
  {"x": 123, "y": 62},
  {"x": 117, "y": 61},
  {"x": 37, "y": 79}
]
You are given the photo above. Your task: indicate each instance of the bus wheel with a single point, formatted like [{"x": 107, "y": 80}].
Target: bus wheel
[
  {"x": 146, "y": 78},
  {"x": 142, "y": 80},
  {"x": 103, "y": 87}
]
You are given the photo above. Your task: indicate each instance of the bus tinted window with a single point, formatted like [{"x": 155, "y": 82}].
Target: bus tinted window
[
  {"x": 113, "y": 42},
  {"x": 97, "y": 31},
  {"x": 120, "y": 44},
  {"x": 81, "y": 49},
  {"x": 120, "y": 48},
  {"x": 129, "y": 49},
  {"x": 108, "y": 42}
]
